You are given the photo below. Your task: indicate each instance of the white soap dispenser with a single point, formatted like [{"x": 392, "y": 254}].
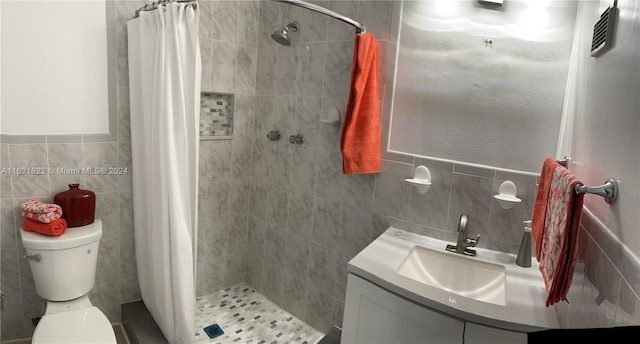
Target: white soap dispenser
[{"x": 524, "y": 253}]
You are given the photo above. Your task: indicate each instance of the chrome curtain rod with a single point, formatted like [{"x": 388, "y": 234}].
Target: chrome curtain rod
[
  {"x": 359, "y": 27},
  {"x": 154, "y": 5}
]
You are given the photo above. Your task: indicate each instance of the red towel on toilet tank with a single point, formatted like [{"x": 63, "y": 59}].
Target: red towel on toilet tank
[
  {"x": 53, "y": 228},
  {"x": 360, "y": 135},
  {"x": 40, "y": 211}
]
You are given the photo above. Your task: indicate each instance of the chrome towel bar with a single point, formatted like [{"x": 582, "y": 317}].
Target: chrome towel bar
[{"x": 608, "y": 190}]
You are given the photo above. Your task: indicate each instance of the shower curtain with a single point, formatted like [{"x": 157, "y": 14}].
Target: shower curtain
[
  {"x": 570, "y": 106},
  {"x": 164, "y": 88}
]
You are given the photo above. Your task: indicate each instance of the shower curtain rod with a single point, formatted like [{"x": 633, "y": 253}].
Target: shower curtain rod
[
  {"x": 154, "y": 5},
  {"x": 359, "y": 27}
]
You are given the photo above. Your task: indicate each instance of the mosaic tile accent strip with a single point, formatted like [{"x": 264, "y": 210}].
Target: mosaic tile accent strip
[
  {"x": 216, "y": 115},
  {"x": 247, "y": 317}
]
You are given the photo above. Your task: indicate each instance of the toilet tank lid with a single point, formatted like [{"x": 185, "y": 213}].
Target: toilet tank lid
[{"x": 73, "y": 237}]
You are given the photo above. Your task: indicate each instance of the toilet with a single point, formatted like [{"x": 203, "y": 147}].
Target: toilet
[{"x": 64, "y": 271}]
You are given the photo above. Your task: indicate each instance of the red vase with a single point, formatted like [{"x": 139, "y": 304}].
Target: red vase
[{"x": 78, "y": 206}]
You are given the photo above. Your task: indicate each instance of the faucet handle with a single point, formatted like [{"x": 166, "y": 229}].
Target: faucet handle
[{"x": 473, "y": 242}]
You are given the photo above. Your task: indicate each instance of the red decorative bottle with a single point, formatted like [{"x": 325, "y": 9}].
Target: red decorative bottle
[{"x": 78, "y": 206}]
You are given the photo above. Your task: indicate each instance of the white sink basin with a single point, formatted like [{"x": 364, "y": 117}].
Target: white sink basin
[{"x": 465, "y": 276}]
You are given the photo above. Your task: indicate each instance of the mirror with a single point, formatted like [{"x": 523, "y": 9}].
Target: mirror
[
  {"x": 54, "y": 67},
  {"x": 479, "y": 84}
]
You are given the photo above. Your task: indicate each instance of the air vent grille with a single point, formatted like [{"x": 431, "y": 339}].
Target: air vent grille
[{"x": 603, "y": 32}]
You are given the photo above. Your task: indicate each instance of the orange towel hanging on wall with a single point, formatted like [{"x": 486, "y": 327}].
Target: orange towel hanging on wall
[{"x": 360, "y": 135}]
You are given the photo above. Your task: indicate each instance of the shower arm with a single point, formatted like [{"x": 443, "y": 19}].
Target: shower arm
[{"x": 359, "y": 27}]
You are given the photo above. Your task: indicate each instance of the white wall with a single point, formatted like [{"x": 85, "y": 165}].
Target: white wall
[
  {"x": 54, "y": 67},
  {"x": 497, "y": 104}
]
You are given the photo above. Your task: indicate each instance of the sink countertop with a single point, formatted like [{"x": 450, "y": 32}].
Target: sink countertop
[{"x": 525, "y": 308}]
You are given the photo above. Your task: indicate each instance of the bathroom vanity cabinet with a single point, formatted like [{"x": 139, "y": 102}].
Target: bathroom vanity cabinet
[{"x": 373, "y": 314}]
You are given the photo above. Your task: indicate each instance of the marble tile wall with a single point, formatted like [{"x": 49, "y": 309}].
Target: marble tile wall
[
  {"x": 604, "y": 288},
  {"x": 229, "y": 49}
]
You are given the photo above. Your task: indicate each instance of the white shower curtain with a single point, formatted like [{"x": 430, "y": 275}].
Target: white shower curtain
[
  {"x": 570, "y": 107},
  {"x": 164, "y": 88}
]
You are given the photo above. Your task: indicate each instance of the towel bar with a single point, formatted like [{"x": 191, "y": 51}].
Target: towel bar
[
  {"x": 608, "y": 190},
  {"x": 564, "y": 162}
]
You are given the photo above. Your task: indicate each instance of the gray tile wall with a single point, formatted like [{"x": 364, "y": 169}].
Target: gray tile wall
[
  {"x": 604, "y": 291},
  {"x": 229, "y": 49}
]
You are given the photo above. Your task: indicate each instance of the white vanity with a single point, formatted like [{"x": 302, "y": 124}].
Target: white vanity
[{"x": 406, "y": 288}]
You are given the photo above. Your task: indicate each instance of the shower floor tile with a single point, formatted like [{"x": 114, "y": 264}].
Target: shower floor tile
[{"x": 246, "y": 316}]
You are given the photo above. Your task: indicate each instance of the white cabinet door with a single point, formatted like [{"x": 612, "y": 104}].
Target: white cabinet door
[
  {"x": 373, "y": 315},
  {"x": 479, "y": 334}
]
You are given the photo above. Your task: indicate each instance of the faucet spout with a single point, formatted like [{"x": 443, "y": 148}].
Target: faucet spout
[
  {"x": 464, "y": 242},
  {"x": 463, "y": 224}
]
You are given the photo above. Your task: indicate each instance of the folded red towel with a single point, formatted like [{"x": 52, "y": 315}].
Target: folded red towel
[
  {"x": 54, "y": 228},
  {"x": 540, "y": 206},
  {"x": 40, "y": 211},
  {"x": 360, "y": 135},
  {"x": 560, "y": 236}
]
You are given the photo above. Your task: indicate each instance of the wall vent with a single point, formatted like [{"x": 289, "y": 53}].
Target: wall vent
[{"x": 603, "y": 31}]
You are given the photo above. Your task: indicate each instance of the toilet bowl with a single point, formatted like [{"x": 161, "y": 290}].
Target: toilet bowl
[
  {"x": 75, "y": 321},
  {"x": 64, "y": 270}
]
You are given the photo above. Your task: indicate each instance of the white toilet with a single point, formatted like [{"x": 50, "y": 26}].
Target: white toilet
[{"x": 64, "y": 271}]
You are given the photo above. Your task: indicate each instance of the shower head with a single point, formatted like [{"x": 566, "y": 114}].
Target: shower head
[{"x": 281, "y": 36}]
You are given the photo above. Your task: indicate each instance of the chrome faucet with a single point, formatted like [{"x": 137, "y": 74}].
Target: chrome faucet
[{"x": 464, "y": 242}]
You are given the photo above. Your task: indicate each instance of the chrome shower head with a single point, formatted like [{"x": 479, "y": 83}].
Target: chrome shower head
[{"x": 281, "y": 36}]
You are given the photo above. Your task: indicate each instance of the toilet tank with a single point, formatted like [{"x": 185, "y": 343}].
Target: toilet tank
[{"x": 64, "y": 267}]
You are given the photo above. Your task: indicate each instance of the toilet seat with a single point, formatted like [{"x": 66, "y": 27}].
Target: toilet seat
[{"x": 86, "y": 326}]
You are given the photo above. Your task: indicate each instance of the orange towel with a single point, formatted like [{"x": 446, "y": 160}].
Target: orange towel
[
  {"x": 360, "y": 135},
  {"x": 54, "y": 228},
  {"x": 560, "y": 236},
  {"x": 540, "y": 206}
]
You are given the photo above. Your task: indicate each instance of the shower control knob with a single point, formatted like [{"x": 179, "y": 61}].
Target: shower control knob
[
  {"x": 296, "y": 139},
  {"x": 274, "y": 135}
]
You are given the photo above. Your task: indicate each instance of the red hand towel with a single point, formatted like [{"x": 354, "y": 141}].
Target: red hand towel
[
  {"x": 540, "y": 206},
  {"x": 54, "y": 228},
  {"x": 40, "y": 211},
  {"x": 560, "y": 236},
  {"x": 360, "y": 135}
]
